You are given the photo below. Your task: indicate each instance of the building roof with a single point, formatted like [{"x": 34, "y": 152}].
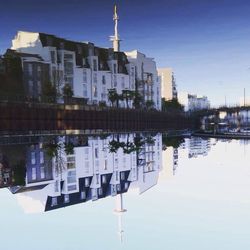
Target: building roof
[{"x": 83, "y": 50}]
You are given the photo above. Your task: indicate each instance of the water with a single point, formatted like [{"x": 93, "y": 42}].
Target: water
[{"x": 195, "y": 195}]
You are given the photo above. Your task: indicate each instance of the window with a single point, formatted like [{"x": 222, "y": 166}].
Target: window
[
  {"x": 115, "y": 81},
  {"x": 70, "y": 165},
  {"x": 95, "y": 91},
  {"x": 33, "y": 158},
  {"x": 126, "y": 185},
  {"x": 85, "y": 90},
  {"x": 70, "y": 158},
  {"x": 54, "y": 201},
  {"x": 66, "y": 198},
  {"x": 33, "y": 174},
  {"x": 94, "y": 64},
  {"x": 132, "y": 71},
  {"x": 42, "y": 172},
  {"x": 83, "y": 195},
  {"x": 123, "y": 82},
  {"x": 96, "y": 153},
  {"x": 95, "y": 78},
  {"x": 68, "y": 68},
  {"x": 30, "y": 68},
  {"x": 30, "y": 87},
  {"x": 100, "y": 192},
  {"x": 86, "y": 152},
  {"x": 72, "y": 188},
  {"x": 39, "y": 88},
  {"x": 39, "y": 71},
  {"x": 84, "y": 77},
  {"x": 87, "y": 182},
  {"x": 104, "y": 179},
  {"x": 53, "y": 56},
  {"x": 118, "y": 187},
  {"x": 114, "y": 68},
  {"x": 106, "y": 164},
  {"x": 86, "y": 167},
  {"x": 71, "y": 177},
  {"x": 122, "y": 176},
  {"x": 41, "y": 157},
  {"x": 103, "y": 79}
]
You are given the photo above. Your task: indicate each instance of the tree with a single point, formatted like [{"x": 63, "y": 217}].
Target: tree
[
  {"x": 113, "y": 97},
  {"x": 149, "y": 104},
  {"x": 69, "y": 148},
  {"x": 67, "y": 91},
  {"x": 128, "y": 95},
  {"x": 171, "y": 104},
  {"x": 49, "y": 90},
  {"x": 137, "y": 99}
]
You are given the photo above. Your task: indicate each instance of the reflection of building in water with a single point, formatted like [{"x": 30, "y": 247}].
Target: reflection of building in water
[
  {"x": 149, "y": 160},
  {"x": 87, "y": 172},
  {"x": 169, "y": 162},
  {"x": 5, "y": 172},
  {"x": 198, "y": 146}
]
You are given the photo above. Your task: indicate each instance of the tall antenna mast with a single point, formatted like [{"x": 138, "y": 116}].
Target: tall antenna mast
[{"x": 115, "y": 38}]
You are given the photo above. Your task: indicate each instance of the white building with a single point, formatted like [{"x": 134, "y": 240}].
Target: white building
[
  {"x": 146, "y": 77},
  {"x": 168, "y": 84},
  {"x": 193, "y": 102},
  {"x": 91, "y": 71}
]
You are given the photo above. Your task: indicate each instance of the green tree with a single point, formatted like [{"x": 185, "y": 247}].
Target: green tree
[
  {"x": 171, "y": 105},
  {"x": 49, "y": 91},
  {"x": 137, "y": 100},
  {"x": 67, "y": 91},
  {"x": 113, "y": 96},
  {"x": 128, "y": 95},
  {"x": 149, "y": 104}
]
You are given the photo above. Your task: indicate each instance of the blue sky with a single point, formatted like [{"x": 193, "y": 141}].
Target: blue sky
[{"x": 207, "y": 43}]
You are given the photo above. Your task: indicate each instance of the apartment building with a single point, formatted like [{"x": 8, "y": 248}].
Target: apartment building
[
  {"x": 146, "y": 78},
  {"x": 92, "y": 71}
]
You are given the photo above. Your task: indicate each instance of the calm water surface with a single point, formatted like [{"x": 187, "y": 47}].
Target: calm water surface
[{"x": 194, "y": 196}]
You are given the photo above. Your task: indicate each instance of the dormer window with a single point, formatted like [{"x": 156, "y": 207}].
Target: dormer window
[{"x": 61, "y": 45}]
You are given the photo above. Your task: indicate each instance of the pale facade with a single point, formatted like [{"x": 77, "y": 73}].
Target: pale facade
[
  {"x": 193, "y": 102},
  {"x": 91, "y": 71},
  {"x": 168, "y": 84},
  {"x": 146, "y": 77}
]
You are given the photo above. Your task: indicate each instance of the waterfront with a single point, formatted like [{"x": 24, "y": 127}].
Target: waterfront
[{"x": 199, "y": 200}]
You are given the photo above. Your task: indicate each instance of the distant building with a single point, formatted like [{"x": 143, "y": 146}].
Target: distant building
[
  {"x": 168, "y": 84},
  {"x": 193, "y": 102}
]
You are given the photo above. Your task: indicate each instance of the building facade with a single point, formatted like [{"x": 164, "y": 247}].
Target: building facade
[
  {"x": 91, "y": 71},
  {"x": 168, "y": 83},
  {"x": 193, "y": 102}
]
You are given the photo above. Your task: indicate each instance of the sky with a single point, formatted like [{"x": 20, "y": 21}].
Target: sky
[{"x": 206, "y": 42}]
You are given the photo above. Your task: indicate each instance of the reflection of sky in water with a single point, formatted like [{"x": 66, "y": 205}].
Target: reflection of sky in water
[{"x": 205, "y": 205}]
